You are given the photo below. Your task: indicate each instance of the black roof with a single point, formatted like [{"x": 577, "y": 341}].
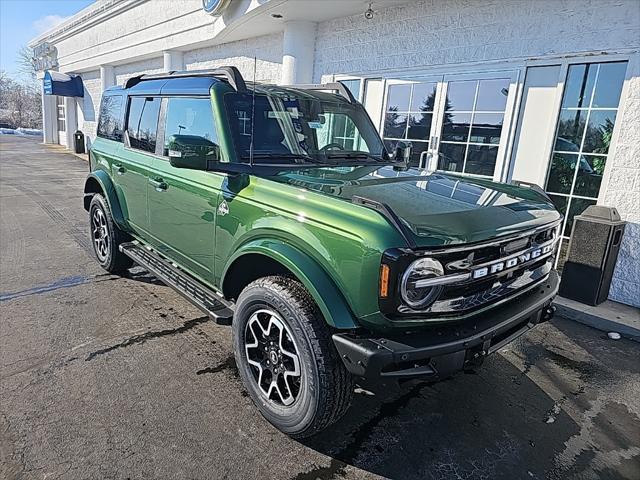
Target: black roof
[
  {"x": 176, "y": 86},
  {"x": 199, "y": 82}
]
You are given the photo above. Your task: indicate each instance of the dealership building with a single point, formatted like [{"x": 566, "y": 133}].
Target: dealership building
[{"x": 544, "y": 91}]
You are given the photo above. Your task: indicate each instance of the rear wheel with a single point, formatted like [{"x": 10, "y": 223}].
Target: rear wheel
[
  {"x": 106, "y": 237},
  {"x": 286, "y": 357}
]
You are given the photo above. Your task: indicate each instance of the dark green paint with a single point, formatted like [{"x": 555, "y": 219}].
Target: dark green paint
[{"x": 303, "y": 219}]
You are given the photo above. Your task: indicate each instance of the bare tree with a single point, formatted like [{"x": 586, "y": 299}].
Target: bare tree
[
  {"x": 20, "y": 102},
  {"x": 25, "y": 62}
]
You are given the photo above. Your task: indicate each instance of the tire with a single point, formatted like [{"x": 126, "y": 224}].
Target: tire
[
  {"x": 106, "y": 237},
  {"x": 301, "y": 406}
]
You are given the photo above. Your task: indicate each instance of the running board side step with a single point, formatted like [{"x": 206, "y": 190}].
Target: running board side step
[{"x": 200, "y": 295}]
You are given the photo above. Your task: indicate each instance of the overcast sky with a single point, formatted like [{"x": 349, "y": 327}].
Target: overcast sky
[{"x": 22, "y": 20}]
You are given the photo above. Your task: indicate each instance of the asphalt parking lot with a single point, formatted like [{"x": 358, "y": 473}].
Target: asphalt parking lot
[{"x": 117, "y": 378}]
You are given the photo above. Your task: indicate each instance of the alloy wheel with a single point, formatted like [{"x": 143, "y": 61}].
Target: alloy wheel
[
  {"x": 273, "y": 357},
  {"x": 100, "y": 233}
]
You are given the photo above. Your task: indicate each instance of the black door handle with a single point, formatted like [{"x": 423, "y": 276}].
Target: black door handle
[{"x": 159, "y": 184}]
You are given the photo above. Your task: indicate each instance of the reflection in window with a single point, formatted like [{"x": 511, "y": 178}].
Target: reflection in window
[
  {"x": 190, "y": 120},
  {"x": 408, "y": 116},
  {"x": 583, "y": 136},
  {"x": 142, "y": 123},
  {"x": 472, "y": 125},
  {"x": 110, "y": 121}
]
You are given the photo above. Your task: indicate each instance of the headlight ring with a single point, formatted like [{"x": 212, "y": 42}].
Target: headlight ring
[{"x": 421, "y": 297}]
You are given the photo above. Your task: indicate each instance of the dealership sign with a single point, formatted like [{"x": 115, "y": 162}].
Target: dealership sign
[
  {"x": 214, "y": 7},
  {"x": 45, "y": 56}
]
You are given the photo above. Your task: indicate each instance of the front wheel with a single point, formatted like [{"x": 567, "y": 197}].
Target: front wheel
[
  {"x": 106, "y": 237},
  {"x": 286, "y": 357}
]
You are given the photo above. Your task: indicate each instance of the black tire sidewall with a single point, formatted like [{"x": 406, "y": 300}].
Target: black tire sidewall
[
  {"x": 289, "y": 419},
  {"x": 98, "y": 202}
]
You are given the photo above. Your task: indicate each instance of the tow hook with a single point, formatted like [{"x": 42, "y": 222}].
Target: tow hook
[{"x": 548, "y": 313}]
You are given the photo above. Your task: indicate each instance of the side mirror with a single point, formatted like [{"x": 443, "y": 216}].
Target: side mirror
[
  {"x": 402, "y": 155},
  {"x": 192, "y": 151}
]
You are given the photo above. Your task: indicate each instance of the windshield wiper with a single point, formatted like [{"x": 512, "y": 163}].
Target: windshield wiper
[
  {"x": 355, "y": 155},
  {"x": 288, "y": 156}
]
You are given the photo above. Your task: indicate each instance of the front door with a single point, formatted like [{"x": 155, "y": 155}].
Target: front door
[
  {"x": 130, "y": 169},
  {"x": 183, "y": 203},
  {"x": 455, "y": 122}
]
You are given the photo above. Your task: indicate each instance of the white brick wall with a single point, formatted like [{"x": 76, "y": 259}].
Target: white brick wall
[
  {"x": 128, "y": 70},
  {"x": 623, "y": 192},
  {"x": 90, "y": 104},
  {"x": 267, "y": 50},
  {"x": 434, "y": 32}
]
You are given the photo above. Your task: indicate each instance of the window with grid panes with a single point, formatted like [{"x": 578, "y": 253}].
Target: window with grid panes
[
  {"x": 583, "y": 136},
  {"x": 472, "y": 125},
  {"x": 408, "y": 116}
]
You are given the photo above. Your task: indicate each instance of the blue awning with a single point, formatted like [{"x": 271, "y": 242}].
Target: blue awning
[{"x": 56, "y": 83}]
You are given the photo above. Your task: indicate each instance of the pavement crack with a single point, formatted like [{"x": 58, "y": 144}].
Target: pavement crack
[
  {"x": 140, "y": 339},
  {"x": 229, "y": 364}
]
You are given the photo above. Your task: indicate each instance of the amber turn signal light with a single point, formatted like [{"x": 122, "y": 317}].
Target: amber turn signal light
[{"x": 384, "y": 280}]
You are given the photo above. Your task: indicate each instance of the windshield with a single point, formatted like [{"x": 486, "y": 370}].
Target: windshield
[{"x": 294, "y": 127}]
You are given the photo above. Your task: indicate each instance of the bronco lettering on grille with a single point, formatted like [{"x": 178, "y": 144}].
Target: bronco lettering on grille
[{"x": 510, "y": 262}]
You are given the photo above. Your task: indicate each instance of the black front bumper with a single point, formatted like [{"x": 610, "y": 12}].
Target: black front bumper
[{"x": 441, "y": 351}]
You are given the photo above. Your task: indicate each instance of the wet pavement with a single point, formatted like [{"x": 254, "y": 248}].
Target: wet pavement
[{"x": 108, "y": 377}]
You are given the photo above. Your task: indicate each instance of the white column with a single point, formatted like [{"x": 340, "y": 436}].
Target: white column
[
  {"x": 49, "y": 115},
  {"x": 107, "y": 76},
  {"x": 173, "y": 60},
  {"x": 298, "y": 52},
  {"x": 71, "y": 119}
]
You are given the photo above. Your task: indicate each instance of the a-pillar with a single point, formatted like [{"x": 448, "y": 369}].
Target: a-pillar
[{"x": 298, "y": 52}]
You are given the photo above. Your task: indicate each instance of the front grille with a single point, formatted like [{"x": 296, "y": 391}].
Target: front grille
[
  {"x": 492, "y": 273},
  {"x": 464, "y": 299}
]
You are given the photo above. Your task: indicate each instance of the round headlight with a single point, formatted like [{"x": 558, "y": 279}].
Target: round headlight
[{"x": 415, "y": 295}]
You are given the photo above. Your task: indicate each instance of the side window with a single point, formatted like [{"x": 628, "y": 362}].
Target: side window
[
  {"x": 110, "y": 122},
  {"x": 190, "y": 122},
  {"x": 142, "y": 123}
]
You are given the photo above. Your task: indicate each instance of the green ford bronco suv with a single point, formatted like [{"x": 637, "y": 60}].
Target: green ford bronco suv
[{"x": 279, "y": 211}]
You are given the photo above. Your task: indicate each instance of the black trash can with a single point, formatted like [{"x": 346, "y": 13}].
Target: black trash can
[
  {"x": 595, "y": 242},
  {"x": 78, "y": 142}
]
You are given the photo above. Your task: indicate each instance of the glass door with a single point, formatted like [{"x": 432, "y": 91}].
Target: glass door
[
  {"x": 473, "y": 123},
  {"x": 61, "y": 120},
  {"x": 457, "y": 123},
  {"x": 409, "y": 110}
]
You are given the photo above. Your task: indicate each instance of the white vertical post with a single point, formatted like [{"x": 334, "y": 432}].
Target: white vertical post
[
  {"x": 298, "y": 52},
  {"x": 49, "y": 115},
  {"x": 107, "y": 76},
  {"x": 173, "y": 60},
  {"x": 71, "y": 119}
]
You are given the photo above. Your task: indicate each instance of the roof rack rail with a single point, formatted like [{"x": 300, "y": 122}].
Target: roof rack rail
[
  {"x": 338, "y": 86},
  {"x": 231, "y": 74}
]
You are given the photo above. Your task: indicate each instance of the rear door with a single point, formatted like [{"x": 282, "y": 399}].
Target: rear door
[
  {"x": 131, "y": 167},
  {"x": 183, "y": 203}
]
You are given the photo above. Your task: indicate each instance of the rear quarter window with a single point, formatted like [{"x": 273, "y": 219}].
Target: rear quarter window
[{"x": 110, "y": 121}]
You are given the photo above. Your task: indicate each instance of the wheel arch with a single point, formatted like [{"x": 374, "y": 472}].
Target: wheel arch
[
  {"x": 260, "y": 258},
  {"x": 99, "y": 182}
]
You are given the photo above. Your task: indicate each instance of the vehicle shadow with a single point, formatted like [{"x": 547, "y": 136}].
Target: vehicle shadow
[
  {"x": 497, "y": 423},
  {"x": 139, "y": 274}
]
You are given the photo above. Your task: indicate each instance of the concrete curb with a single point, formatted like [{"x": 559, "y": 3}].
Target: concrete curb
[{"x": 608, "y": 317}]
